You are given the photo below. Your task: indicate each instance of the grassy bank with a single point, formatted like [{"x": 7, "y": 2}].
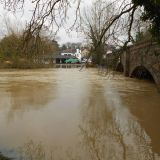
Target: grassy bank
[{"x": 22, "y": 65}]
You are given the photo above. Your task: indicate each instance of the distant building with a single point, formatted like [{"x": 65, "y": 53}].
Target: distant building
[
  {"x": 109, "y": 49},
  {"x": 61, "y": 57},
  {"x": 67, "y": 54},
  {"x": 78, "y": 54},
  {"x": 56, "y": 58},
  {"x": 109, "y": 52}
]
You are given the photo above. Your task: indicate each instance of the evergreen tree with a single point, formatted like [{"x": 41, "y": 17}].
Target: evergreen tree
[{"x": 151, "y": 13}]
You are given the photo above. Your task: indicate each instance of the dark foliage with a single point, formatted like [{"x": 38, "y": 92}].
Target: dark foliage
[
  {"x": 151, "y": 13},
  {"x": 3, "y": 157}
]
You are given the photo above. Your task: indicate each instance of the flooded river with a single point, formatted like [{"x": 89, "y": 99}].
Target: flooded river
[{"x": 67, "y": 114}]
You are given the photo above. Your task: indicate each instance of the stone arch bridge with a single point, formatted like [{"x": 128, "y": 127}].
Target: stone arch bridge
[{"x": 141, "y": 60}]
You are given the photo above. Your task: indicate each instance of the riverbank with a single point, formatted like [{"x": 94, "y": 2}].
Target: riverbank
[
  {"x": 3, "y": 157},
  {"x": 31, "y": 65},
  {"x": 23, "y": 65}
]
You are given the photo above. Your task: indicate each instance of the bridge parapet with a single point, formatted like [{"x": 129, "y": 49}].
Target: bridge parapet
[
  {"x": 144, "y": 55},
  {"x": 147, "y": 55}
]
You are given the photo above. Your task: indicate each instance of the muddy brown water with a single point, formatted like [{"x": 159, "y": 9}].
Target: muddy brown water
[{"x": 79, "y": 115}]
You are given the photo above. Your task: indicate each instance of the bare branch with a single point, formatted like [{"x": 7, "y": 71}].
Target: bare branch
[{"x": 113, "y": 21}]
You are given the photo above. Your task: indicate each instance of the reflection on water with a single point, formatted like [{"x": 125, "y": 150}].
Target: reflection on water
[
  {"x": 78, "y": 115},
  {"x": 24, "y": 93},
  {"x": 28, "y": 96},
  {"x": 109, "y": 131}
]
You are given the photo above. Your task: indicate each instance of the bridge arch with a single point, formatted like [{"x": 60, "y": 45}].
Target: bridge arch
[{"x": 148, "y": 72}]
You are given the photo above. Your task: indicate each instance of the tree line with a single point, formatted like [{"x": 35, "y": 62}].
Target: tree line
[
  {"x": 16, "y": 53},
  {"x": 117, "y": 22}
]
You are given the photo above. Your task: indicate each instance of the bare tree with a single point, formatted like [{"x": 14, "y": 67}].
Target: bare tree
[
  {"x": 51, "y": 13},
  {"x": 95, "y": 20},
  {"x": 108, "y": 24},
  {"x": 45, "y": 14}
]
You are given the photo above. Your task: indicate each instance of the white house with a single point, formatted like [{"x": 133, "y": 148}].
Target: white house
[{"x": 78, "y": 54}]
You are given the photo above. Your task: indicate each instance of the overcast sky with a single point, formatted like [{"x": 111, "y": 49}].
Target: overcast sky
[{"x": 19, "y": 19}]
